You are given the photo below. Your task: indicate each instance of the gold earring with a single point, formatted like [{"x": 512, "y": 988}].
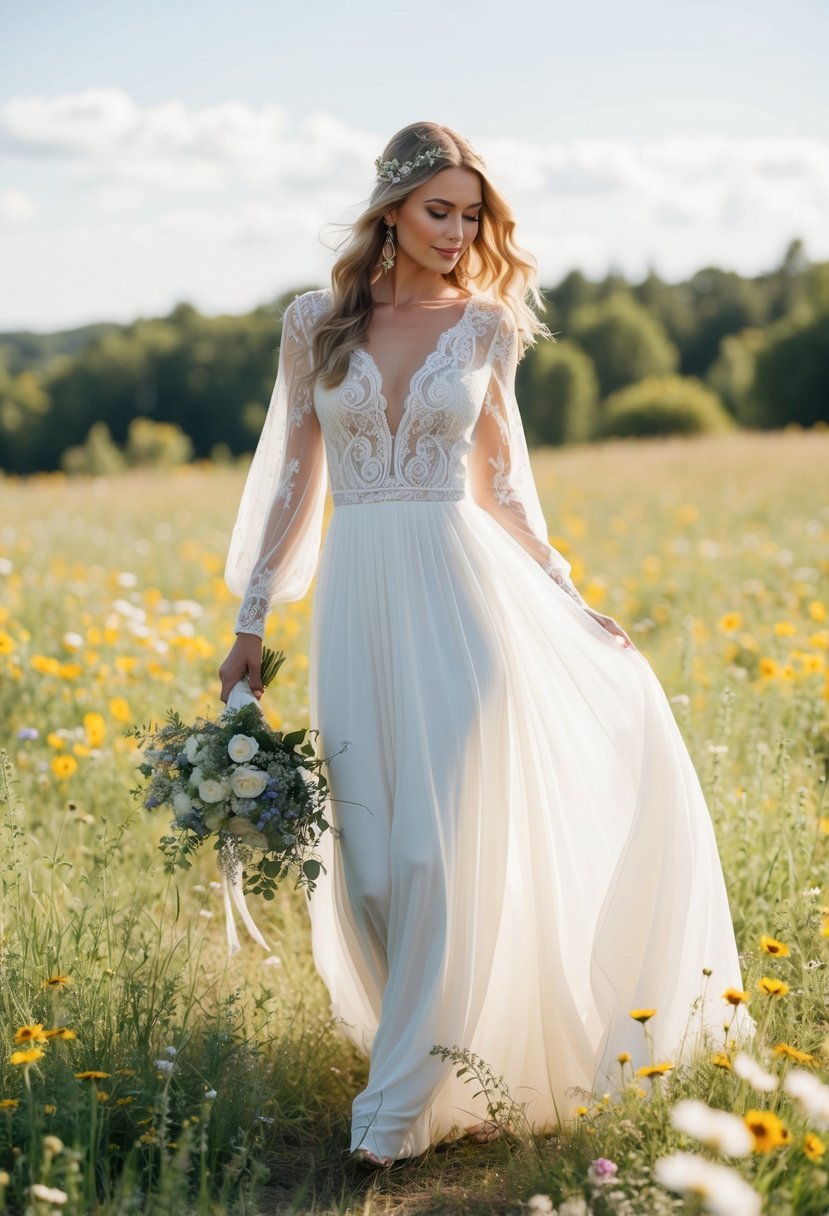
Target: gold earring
[{"x": 387, "y": 258}]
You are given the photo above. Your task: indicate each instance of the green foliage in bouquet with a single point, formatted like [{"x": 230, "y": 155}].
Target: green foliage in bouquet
[{"x": 258, "y": 794}]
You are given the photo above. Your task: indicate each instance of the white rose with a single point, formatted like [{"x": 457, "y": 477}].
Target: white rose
[
  {"x": 182, "y": 803},
  {"x": 196, "y": 777},
  {"x": 248, "y": 782},
  {"x": 190, "y": 748},
  {"x": 242, "y": 748},
  {"x": 212, "y": 791}
]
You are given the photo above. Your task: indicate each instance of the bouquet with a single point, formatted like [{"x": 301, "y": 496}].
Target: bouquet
[{"x": 258, "y": 795}]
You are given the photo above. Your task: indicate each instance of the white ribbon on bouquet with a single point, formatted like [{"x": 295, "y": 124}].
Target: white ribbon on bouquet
[{"x": 232, "y": 883}]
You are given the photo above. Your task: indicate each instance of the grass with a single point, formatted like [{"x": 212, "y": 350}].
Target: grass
[{"x": 713, "y": 552}]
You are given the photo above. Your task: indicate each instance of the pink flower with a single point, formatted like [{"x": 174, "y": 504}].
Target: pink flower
[{"x": 601, "y": 1170}]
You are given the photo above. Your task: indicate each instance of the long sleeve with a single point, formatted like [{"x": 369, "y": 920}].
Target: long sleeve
[
  {"x": 501, "y": 477},
  {"x": 276, "y": 538}
]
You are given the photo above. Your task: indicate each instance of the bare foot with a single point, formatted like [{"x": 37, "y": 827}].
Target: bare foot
[{"x": 368, "y": 1159}]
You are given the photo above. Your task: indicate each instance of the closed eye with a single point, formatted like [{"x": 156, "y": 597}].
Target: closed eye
[{"x": 441, "y": 215}]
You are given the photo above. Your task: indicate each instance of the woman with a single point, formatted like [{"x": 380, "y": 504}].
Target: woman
[{"x": 522, "y": 849}]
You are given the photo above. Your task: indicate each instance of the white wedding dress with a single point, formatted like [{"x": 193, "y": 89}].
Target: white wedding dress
[{"x": 523, "y": 851}]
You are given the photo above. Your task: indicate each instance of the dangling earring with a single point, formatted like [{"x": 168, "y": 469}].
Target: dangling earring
[{"x": 387, "y": 253}]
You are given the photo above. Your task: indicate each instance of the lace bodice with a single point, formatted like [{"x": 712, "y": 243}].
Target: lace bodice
[{"x": 459, "y": 436}]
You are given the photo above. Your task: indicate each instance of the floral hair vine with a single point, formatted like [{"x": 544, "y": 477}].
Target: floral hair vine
[{"x": 394, "y": 171}]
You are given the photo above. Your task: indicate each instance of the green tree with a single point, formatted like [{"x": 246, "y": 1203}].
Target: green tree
[
  {"x": 558, "y": 394},
  {"x": 663, "y": 405},
  {"x": 624, "y": 342},
  {"x": 792, "y": 378}
]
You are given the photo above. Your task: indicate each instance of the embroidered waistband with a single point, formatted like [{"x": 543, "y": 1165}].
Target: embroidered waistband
[{"x": 398, "y": 494}]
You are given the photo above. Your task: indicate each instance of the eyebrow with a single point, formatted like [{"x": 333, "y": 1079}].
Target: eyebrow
[{"x": 447, "y": 203}]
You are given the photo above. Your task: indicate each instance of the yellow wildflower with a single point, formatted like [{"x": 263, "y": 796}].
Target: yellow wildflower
[
  {"x": 95, "y": 726},
  {"x": 6, "y": 643},
  {"x": 120, "y": 710},
  {"x": 721, "y": 1060},
  {"x": 735, "y": 996},
  {"x": 26, "y": 1057},
  {"x": 623, "y": 1057},
  {"x": 9, "y": 1103},
  {"x": 772, "y": 946},
  {"x": 642, "y": 1015},
  {"x": 91, "y": 1074},
  {"x": 793, "y": 1053},
  {"x": 654, "y": 1070},
  {"x": 768, "y": 668},
  {"x": 784, "y": 629},
  {"x": 813, "y": 1146},
  {"x": 102, "y": 1095},
  {"x": 64, "y": 766},
  {"x": 31, "y": 1033},
  {"x": 766, "y": 1128},
  {"x": 731, "y": 622},
  {"x": 817, "y": 610},
  {"x": 61, "y": 1032},
  {"x": 772, "y": 987},
  {"x": 56, "y": 981}
]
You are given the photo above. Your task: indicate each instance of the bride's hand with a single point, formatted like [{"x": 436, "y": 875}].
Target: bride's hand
[
  {"x": 610, "y": 625},
  {"x": 245, "y": 658}
]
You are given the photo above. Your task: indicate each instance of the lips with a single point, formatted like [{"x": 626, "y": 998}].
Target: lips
[{"x": 448, "y": 252}]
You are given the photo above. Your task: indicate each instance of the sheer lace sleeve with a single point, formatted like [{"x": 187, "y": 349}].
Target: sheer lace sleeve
[
  {"x": 499, "y": 464},
  {"x": 276, "y": 538}
]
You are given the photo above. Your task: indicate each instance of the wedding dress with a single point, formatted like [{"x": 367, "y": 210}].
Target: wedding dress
[{"x": 522, "y": 850}]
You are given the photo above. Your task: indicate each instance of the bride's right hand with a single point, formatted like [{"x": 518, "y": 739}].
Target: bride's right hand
[{"x": 245, "y": 658}]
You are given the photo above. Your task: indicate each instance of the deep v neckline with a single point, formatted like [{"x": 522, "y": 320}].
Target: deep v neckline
[{"x": 437, "y": 349}]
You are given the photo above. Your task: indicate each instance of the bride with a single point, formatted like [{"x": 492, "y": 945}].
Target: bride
[{"x": 521, "y": 852}]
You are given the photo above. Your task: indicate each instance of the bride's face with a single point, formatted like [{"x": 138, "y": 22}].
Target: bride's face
[{"x": 441, "y": 215}]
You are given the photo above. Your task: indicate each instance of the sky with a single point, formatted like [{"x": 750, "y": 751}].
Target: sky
[{"x": 157, "y": 152}]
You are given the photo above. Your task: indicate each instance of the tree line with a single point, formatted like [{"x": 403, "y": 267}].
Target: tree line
[{"x": 714, "y": 352}]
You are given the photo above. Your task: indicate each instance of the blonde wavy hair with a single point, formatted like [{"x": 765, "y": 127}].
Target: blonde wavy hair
[{"x": 494, "y": 264}]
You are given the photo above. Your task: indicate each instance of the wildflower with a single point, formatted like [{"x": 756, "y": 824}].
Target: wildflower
[
  {"x": 813, "y": 1146},
  {"x": 721, "y": 1188},
  {"x": 716, "y": 1129},
  {"x": 811, "y": 1095},
  {"x": 61, "y": 1032},
  {"x": 56, "y": 981},
  {"x": 581, "y": 1111},
  {"x": 210, "y": 1095},
  {"x": 91, "y": 1074},
  {"x": 792, "y": 1053},
  {"x": 165, "y": 1066},
  {"x": 772, "y": 946},
  {"x": 735, "y": 996},
  {"x": 47, "y": 1194},
  {"x": 25, "y": 1058},
  {"x": 721, "y": 1060},
  {"x": 64, "y": 766},
  {"x": 642, "y": 1015},
  {"x": 623, "y": 1057},
  {"x": 772, "y": 987},
  {"x": 9, "y": 1103},
  {"x": 601, "y": 1171},
  {"x": 49, "y": 1108},
  {"x": 654, "y": 1070},
  {"x": 101, "y": 1095},
  {"x": 95, "y": 727},
  {"x": 731, "y": 622},
  {"x": 6, "y": 643},
  {"x": 120, "y": 710},
  {"x": 53, "y": 1145},
  {"x": 768, "y": 668},
  {"x": 749, "y": 1070},
  {"x": 540, "y": 1205},
  {"x": 28, "y": 733},
  {"x": 124, "y": 1101},
  {"x": 32, "y": 1033},
  {"x": 171, "y": 1051},
  {"x": 767, "y": 1129}
]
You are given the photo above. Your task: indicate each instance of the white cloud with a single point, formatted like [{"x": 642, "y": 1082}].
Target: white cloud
[{"x": 190, "y": 185}]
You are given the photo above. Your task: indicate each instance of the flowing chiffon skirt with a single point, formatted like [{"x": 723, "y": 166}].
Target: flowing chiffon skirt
[{"x": 522, "y": 853}]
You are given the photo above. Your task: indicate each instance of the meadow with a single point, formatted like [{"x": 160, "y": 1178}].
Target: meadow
[{"x": 144, "y": 1071}]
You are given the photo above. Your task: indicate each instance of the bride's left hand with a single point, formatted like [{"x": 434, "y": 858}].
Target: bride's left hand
[{"x": 611, "y": 626}]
